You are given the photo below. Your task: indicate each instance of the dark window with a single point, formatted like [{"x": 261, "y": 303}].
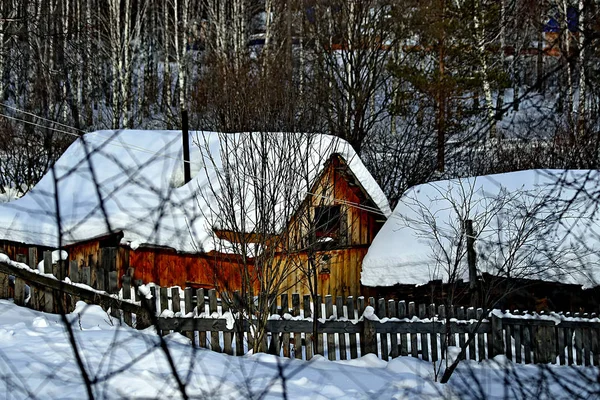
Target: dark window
[{"x": 327, "y": 221}]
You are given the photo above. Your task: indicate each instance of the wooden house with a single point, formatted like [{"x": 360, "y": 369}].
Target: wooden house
[{"x": 123, "y": 206}]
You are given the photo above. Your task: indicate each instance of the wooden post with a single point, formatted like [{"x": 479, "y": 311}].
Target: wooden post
[
  {"x": 339, "y": 305},
  {"x": 19, "y": 291},
  {"x": 227, "y": 336},
  {"x": 212, "y": 305},
  {"x": 48, "y": 305},
  {"x": 201, "y": 309},
  {"x": 369, "y": 337},
  {"x": 164, "y": 299},
  {"x": 424, "y": 335},
  {"x": 497, "y": 336},
  {"x": 32, "y": 258},
  {"x": 297, "y": 335},
  {"x": 472, "y": 333},
  {"x": 186, "y": 146},
  {"x": 353, "y": 343},
  {"x": 74, "y": 271},
  {"x": 471, "y": 261},
  {"x": 393, "y": 336},
  {"x": 4, "y": 284},
  {"x": 309, "y": 341},
  {"x": 100, "y": 280},
  {"x": 414, "y": 344},
  {"x": 47, "y": 262},
  {"x": 403, "y": 339},
  {"x": 330, "y": 336},
  {"x": 85, "y": 275},
  {"x": 127, "y": 297},
  {"x": 188, "y": 303},
  {"x": 152, "y": 300},
  {"x": 381, "y": 313},
  {"x": 113, "y": 282}
]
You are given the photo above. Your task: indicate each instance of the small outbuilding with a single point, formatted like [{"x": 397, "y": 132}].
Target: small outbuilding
[{"x": 527, "y": 239}]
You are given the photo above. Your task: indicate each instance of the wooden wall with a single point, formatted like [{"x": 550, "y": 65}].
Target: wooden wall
[
  {"x": 338, "y": 272},
  {"x": 337, "y": 186},
  {"x": 13, "y": 249},
  {"x": 169, "y": 268}
]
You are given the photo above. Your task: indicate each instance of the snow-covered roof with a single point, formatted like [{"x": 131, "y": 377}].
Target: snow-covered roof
[
  {"x": 536, "y": 224},
  {"x": 131, "y": 181}
]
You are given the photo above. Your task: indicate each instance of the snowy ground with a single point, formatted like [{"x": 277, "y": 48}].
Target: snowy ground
[{"x": 37, "y": 361}]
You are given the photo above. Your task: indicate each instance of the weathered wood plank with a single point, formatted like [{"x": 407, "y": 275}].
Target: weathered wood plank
[
  {"x": 47, "y": 262},
  {"x": 201, "y": 310},
  {"x": 403, "y": 339},
  {"x": 560, "y": 333},
  {"x": 569, "y": 340},
  {"x": 212, "y": 308},
  {"x": 175, "y": 300},
  {"x": 308, "y": 333},
  {"x": 85, "y": 275},
  {"x": 32, "y": 258},
  {"x": 369, "y": 336},
  {"x": 19, "y": 296},
  {"x": 297, "y": 335},
  {"x": 424, "y": 336},
  {"x": 414, "y": 345},
  {"x": 472, "y": 336},
  {"x": 339, "y": 305},
  {"x": 352, "y": 336},
  {"x": 74, "y": 271},
  {"x": 126, "y": 283},
  {"x": 526, "y": 332},
  {"x": 497, "y": 335},
  {"x": 481, "y": 337},
  {"x": 381, "y": 313},
  {"x": 330, "y": 336},
  {"x": 392, "y": 313},
  {"x": 227, "y": 336},
  {"x": 113, "y": 282},
  {"x": 516, "y": 329}
]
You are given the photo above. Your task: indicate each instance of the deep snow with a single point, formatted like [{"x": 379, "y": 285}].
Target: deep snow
[{"x": 36, "y": 361}]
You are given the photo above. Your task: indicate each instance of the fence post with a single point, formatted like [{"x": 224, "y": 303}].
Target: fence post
[
  {"x": 497, "y": 336},
  {"x": 47, "y": 262},
  {"x": 3, "y": 286},
  {"x": 48, "y": 293},
  {"x": 369, "y": 337},
  {"x": 32, "y": 258},
  {"x": 127, "y": 297}
]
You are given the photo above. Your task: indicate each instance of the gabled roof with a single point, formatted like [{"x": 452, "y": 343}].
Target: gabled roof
[
  {"x": 536, "y": 224},
  {"x": 132, "y": 182}
]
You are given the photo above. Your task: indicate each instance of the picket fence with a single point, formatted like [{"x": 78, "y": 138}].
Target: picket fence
[{"x": 347, "y": 328}]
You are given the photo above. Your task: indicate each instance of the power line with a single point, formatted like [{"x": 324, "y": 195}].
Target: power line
[{"x": 39, "y": 117}]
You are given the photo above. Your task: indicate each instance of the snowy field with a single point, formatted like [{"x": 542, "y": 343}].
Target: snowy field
[{"x": 37, "y": 361}]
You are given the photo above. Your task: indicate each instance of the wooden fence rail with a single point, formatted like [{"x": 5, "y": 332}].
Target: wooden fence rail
[{"x": 347, "y": 328}]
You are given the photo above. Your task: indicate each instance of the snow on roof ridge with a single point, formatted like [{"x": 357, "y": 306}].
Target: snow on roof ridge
[{"x": 138, "y": 172}]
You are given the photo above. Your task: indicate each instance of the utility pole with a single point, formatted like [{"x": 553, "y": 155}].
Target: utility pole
[
  {"x": 187, "y": 176},
  {"x": 471, "y": 260}
]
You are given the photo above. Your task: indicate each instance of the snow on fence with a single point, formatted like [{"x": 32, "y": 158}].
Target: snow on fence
[{"x": 347, "y": 328}]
